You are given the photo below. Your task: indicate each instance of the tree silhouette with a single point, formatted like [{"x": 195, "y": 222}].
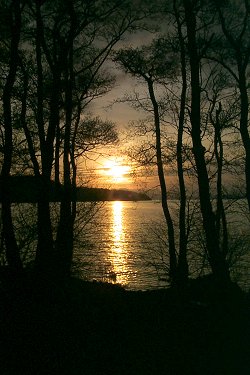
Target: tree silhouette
[
  {"x": 216, "y": 258},
  {"x": 153, "y": 64},
  {"x": 12, "y": 251},
  {"x": 63, "y": 47}
]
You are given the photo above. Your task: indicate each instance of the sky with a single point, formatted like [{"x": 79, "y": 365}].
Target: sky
[{"x": 112, "y": 168}]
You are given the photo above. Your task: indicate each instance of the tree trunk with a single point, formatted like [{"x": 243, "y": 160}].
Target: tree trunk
[
  {"x": 64, "y": 241},
  {"x": 216, "y": 258},
  {"x": 12, "y": 251},
  {"x": 242, "y": 55},
  {"x": 44, "y": 262},
  {"x": 24, "y": 123},
  {"x": 182, "y": 258},
  {"x": 164, "y": 199},
  {"x": 44, "y": 251},
  {"x": 220, "y": 211},
  {"x": 244, "y": 125}
]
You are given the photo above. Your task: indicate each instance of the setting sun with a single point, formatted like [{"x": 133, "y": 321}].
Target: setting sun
[{"x": 117, "y": 171}]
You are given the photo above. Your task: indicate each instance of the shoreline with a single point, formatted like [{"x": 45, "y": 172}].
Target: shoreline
[{"x": 94, "y": 328}]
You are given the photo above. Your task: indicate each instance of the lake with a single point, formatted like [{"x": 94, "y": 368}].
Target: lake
[
  {"x": 118, "y": 243},
  {"x": 125, "y": 244}
]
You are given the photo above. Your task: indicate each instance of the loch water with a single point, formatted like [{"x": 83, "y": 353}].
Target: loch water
[
  {"x": 118, "y": 244},
  {"x": 126, "y": 243}
]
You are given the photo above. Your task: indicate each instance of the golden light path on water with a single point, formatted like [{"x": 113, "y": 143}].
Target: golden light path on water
[{"x": 119, "y": 253}]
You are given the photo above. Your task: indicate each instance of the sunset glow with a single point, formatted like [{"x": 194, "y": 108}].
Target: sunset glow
[{"x": 116, "y": 171}]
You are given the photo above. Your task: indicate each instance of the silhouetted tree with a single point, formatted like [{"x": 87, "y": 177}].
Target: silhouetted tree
[
  {"x": 13, "y": 13},
  {"x": 216, "y": 257},
  {"x": 153, "y": 64},
  {"x": 182, "y": 259},
  {"x": 233, "y": 53},
  {"x": 218, "y": 123},
  {"x": 67, "y": 43}
]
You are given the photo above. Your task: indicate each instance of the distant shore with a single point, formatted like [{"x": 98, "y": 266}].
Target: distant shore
[{"x": 28, "y": 189}]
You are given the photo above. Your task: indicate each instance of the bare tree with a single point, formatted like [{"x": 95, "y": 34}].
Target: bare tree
[
  {"x": 12, "y": 251},
  {"x": 233, "y": 53},
  {"x": 216, "y": 257},
  {"x": 69, "y": 43},
  {"x": 153, "y": 64},
  {"x": 182, "y": 259}
]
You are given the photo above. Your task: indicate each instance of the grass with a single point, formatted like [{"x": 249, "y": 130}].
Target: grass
[{"x": 100, "y": 329}]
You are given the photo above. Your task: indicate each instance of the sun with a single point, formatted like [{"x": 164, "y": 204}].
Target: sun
[{"x": 117, "y": 171}]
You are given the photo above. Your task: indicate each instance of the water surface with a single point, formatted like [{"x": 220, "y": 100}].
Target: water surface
[{"x": 127, "y": 244}]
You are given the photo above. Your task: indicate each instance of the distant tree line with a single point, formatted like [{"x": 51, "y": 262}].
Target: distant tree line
[{"x": 27, "y": 189}]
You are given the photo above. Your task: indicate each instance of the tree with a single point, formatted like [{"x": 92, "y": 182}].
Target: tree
[
  {"x": 12, "y": 251},
  {"x": 183, "y": 264},
  {"x": 157, "y": 63},
  {"x": 233, "y": 53},
  {"x": 68, "y": 43},
  {"x": 216, "y": 257}
]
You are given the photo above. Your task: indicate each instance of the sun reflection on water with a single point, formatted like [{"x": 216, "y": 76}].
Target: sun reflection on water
[
  {"x": 119, "y": 253},
  {"x": 117, "y": 224}
]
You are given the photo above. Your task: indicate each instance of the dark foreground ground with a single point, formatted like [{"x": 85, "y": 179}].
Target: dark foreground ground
[{"x": 91, "y": 328}]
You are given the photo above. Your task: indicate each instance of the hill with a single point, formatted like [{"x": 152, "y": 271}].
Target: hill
[
  {"x": 97, "y": 194},
  {"x": 24, "y": 189}
]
